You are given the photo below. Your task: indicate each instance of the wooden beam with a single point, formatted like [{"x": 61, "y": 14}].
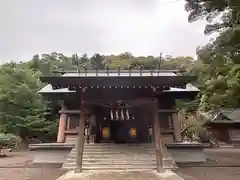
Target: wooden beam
[
  {"x": 167, "y": 111},
  {"x": 76, "y": 111},
  {"x": 112, "y": 95}
]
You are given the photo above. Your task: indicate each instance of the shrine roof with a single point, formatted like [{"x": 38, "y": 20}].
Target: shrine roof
[
  {"x": 119, "y": 78},
  {"x": 225, "y": 116},
  {"x": 122, "y": 73}
]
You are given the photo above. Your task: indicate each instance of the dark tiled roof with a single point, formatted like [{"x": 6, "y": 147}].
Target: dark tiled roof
[
  {"x": 227, "y": 116},
  {"x": 123, "y": 73}
]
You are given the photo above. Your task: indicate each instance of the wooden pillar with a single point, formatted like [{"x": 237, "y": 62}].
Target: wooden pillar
[
  {"x": 158, "y": 141},
  {"x": 80, "y": 138},
  {"x": 68, "y": 122},
  {"x": 80, "y": 144},
  {"x": 62, "y": 126},
  {"x": 176, "y": 128}
]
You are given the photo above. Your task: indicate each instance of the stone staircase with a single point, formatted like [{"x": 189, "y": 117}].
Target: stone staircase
[
  {"x": 106, "y": 156},
  {"x": 168, "y": 161},
  {"x": 71, "y": 139}
]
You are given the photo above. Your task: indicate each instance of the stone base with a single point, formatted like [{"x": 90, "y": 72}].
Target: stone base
[
  {"x": 187, "y": 152},
  {"x": 50, "y": 153},
  {"x": 120, "y": 175}
]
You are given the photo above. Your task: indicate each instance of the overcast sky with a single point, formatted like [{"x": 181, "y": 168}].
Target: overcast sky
[{"x": 143, "y": 27}]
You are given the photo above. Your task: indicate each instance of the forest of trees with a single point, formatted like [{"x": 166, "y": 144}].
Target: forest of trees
[{"x": 22, "y": 109}]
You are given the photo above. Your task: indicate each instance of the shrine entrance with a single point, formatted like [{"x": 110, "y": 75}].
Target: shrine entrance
[
  {"x": 119, "y": 131},
  {"x": 130, "y": 128}
]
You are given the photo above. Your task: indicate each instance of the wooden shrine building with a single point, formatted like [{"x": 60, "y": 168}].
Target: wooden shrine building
[
  {"x": 125, "y": 105},
  {"x": 225, "y": 125}
]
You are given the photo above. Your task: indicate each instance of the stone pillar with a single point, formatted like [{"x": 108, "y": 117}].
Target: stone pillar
[
  {"x": 158, "y": 141},
  {"x": 176, "y": 128},
  {"x": 62, "y": 126}
]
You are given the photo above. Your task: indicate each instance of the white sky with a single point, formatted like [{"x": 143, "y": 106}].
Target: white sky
[{"x": 142, "y": 27}]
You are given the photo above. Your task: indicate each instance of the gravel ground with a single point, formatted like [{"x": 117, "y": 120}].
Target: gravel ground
[
  {"x": 121, "y": 175},
  {"x": 18, "y": 166},
  {"x": 209, "y": 173},
  {"x": 224, "y": 156}
]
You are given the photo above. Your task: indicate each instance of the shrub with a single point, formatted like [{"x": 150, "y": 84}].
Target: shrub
[
  {"x": 193, "y": 129},
  {"x": 8, "y": 141}
]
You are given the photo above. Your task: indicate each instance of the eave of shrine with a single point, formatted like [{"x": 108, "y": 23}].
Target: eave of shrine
[
  {"x": 121, "y": 79},
  {"x": 225, "y": 116},
  {"x": 48, "y": 89}
]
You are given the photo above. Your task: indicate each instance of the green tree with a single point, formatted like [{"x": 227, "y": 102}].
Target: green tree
[
  {"x": 218, "y": 61},
  {"x": 21, "y": 106}
]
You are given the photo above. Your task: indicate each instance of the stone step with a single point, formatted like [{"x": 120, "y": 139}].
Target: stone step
[
  {"x": 169, "y": 163},
  {"x": 131, "y": 158},
  {"x": 116, "y": 162},
  {"x": 71, "y": 139},
  {"x": 70, "y": 142},
  {"x": 102, "y": 145},
  {"x": 122, "y": 165},
  {"x": 97, "y": 167},
  {"x": 111, "y": 154},
  {"x": 141, "y": 151},
  {"x": 118, "y": 156},
  {"x": 114, "y": 158},
  {"x": 121, "y": 145},
  {"x": 133, "y": 161},
  {"x": 118, "y": 150},
  {"x": 152, "y": 162},
  {"x": 114, "y": 155}
]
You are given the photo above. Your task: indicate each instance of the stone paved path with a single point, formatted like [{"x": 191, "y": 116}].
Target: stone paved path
[
  {"x": 18, "y": 167},
  {"x": 121, "y": 175}
]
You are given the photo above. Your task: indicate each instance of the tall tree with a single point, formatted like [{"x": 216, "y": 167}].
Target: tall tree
[
  {"x": 21, "y": 106},
  {"x": 97, "y": 61}
]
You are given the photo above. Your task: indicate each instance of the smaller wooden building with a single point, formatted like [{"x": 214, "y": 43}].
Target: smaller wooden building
[{"x": 225, "y": 125}]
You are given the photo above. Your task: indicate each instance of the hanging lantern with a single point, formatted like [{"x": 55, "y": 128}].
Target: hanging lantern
[
  {"x": 122, "y": 115},
  {"x": 111, "y": 114},
  {"x": 105, "y": 132},
  {"x": 127, "y": 114},
  {"x": 133, "y": 132},
  {"x": 117, "y": 116}
]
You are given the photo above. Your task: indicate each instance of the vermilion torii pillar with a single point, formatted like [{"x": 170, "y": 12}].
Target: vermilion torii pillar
[{"x": 62, "y": 125}]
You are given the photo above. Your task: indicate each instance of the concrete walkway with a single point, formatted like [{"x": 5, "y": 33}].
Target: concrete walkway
[{"x": 121, "y": 175}]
